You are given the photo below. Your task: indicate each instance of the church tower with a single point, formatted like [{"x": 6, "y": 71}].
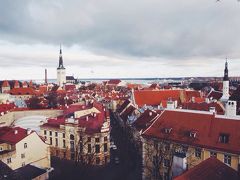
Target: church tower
[
  {"x": 225, "y": 90},
  {"x": 61, "y": 71}
]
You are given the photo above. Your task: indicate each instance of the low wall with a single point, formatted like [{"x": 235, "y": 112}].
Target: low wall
[{"x": 9, "y": 118}]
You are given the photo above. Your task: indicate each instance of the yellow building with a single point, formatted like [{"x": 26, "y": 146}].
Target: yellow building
[
  {"x": 179, "y": 140},
  {"x": 20, "y": 147},
  {"x": 82, "y": 134}
]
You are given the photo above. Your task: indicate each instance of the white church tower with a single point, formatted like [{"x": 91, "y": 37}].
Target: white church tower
[
  {"x": 61, "y": 71},
  {"x": 225, "y": 90}
]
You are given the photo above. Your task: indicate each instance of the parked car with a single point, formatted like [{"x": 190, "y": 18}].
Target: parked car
[{"x": 117, "y": 160}]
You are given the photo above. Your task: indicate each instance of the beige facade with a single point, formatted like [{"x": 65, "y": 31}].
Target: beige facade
[
  {"x": 194, "y": 155},
  {"x": 30, "y": 150},
  {"x": 69, "y": 141}
]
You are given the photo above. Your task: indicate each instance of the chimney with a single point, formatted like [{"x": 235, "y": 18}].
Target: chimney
[
  {"x": 212, "y": 109},
  {"x": 150, "y": 113},
  {"x": 86, "y": 118},
  {"x": 46, "y": 81},
  {"x": 29, "y": 131},
  {"x": 207, "y": 100},
  {"x": 15, "y": 131}
]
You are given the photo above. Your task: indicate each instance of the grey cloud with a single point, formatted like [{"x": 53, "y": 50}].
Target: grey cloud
[{"x": 153, "y": 28}]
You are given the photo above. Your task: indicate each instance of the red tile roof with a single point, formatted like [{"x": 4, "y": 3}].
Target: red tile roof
[
  {"x": 204, "y": 106},
  {"x": 113, "y": 82},
  {"x": 215, "y": 95},
  {"x": 154, "y": 98},
  {"x": 91, "y": 122},
  {"x": 8, "y": 134},
  {"x": 5, "y": 84},
  {"x": 127, "y": 112},
  {"x": 210, "y": 169},
  {"x": 123, "y": 105},
  {"x": 207, "y": 126},
  {"x": 22, "y": 91},
  {"x": 145, "y": 120}
]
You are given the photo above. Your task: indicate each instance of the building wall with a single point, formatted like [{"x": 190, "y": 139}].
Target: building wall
[
  {"x": 61, "y": 77},
  {"x": 192, "y": 159},
  {"x": 36, "y": 153},
  {"x": 65, "y": 152}
]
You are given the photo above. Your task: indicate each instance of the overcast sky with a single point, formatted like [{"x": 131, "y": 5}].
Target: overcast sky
[{"x": 116, "y": 38}]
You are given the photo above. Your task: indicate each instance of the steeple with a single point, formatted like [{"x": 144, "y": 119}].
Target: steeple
[
  {"x": 60, "y": 66},
  {"x": 225, "y": 78}
]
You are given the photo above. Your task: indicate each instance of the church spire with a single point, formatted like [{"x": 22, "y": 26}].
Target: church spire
[
  {"x": 60, "y": 66},
  {"x": 225, "y": 78}
]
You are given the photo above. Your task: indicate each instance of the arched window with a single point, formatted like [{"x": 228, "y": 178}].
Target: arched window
[{"x": 71, "y": 137}]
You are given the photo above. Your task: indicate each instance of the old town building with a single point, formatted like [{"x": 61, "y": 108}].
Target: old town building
[{"x": 82, "y": 134}]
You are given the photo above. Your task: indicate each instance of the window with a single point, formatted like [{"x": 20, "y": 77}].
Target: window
[
  {"x": 50, "y": 140},
  {"x": 167, "y": 147},
  {"x": 166, "y": 162},
  {"x": 63, "y": 135},
  {"x": 71, "y": 137},
  {"x": 64, "y": 144},
  {"x": 97, "y": 148},
  {"x": 155, "y": 160},
  {"x": 72, "y": 156},
  {"x": 213, "y": 154},
  {"x": 1, "y": 149},
  {"x": 155, "y": 143},
  {"x": 89, "y": 139},
  {"x": 227, "y": 159},
  {"x": 97, "y": 160},
  {"x": 105, "y": 138},
  {"x": 97, "y": 140},
  {"x": 25, "y": 145},
  {"x": 106, "y": 159},
  {"x": 224, "y": 138},
  {"x": 56, "y": 142},
  {"x": 193, "y": 134},
  {"x": 23, "y": 155},
  {"x": 56, "y": 134},
  {"x": 105, "y": 147},
  {"x": 45, "y": 132},
  {"x": 9, "y": 160},
  {"x": 168, "y": 130},
  {"x": 50, "y": 133},
  {"x": 198, "y": 152},
  {"x": 81, "y": 147},
  {"x": 89, "y": 148},
  {"x": 72, "y": 145}
]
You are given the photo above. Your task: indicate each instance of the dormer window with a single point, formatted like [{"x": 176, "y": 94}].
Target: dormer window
[
  {"x": 193, "y": 134},
  {"x": 167, "y": 130},
  {"x": 224, "y": 138}
]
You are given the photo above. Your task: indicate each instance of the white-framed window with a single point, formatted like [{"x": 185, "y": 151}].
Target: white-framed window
[
  {"x": 9, "y": 160},
  {"x": 213, "y": 154},
  {"x": 25, "y": 145},
  {"x": 227, "y": 159}
]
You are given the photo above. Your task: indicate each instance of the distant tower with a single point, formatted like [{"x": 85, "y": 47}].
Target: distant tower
[
  {"x": 61, "y": 73},
  {"x": 225, "y": 90},
  {"x": 46, "y": 80}
]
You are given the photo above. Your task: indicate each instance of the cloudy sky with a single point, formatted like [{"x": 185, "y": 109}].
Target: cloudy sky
[{"x": 116, "y": 38}]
